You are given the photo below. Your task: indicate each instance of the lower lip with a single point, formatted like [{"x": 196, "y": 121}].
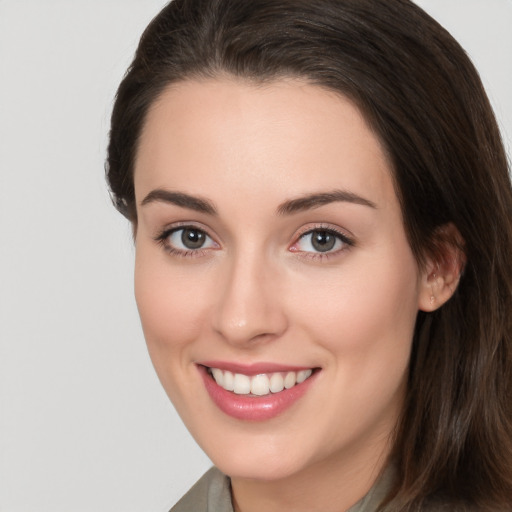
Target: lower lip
[{"x": 253, "y": 408}]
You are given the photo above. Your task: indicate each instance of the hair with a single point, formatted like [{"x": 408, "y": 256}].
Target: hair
[{"x": 423, "y": 98}]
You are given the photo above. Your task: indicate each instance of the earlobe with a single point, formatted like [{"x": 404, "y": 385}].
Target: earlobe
[{"x": 443, "y": 269}]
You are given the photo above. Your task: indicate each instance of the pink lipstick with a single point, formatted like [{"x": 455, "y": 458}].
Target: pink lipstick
[{"x": 255, "y": 392}]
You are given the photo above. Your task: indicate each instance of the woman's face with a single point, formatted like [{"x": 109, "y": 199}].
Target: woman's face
[{"x": 270, "y": 248}]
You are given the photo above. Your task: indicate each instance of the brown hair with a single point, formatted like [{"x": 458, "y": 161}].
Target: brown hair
[{"x": 423, "y": 98}]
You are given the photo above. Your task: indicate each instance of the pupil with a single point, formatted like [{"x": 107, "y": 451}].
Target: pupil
[
  {"x": 192, "y": 238},
  {"x": 323, "y": 241}
]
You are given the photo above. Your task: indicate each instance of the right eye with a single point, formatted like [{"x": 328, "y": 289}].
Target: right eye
[{"x": 186, "y": 240}]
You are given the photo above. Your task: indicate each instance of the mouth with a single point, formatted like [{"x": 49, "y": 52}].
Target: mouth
[
  {"x": 258, "y": 392},
  {"x": 261, "y": 384}
]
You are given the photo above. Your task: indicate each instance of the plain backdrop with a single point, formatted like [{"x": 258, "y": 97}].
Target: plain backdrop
[{"x": 84, "y": 423}]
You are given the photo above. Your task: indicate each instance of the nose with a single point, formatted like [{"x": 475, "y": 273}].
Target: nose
[{"x": 250, "y": 307}]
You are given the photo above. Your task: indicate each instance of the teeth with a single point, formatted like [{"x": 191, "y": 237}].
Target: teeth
[
  {"x": 259, "y": 385},
  {"x": 303, "y": 375},
  {"x": 276, "y": 383},
  {"x": 290, "y": 380},
  {"x": 218, "y": 376},
  {"x": 229, "y": 381},
  {"x": 241, "y": 384}
]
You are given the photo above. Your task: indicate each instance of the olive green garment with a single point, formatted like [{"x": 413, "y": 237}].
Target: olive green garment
[{"x": 212, "y": 494}]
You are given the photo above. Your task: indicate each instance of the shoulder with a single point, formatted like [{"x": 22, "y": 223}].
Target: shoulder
[{"x": 212, "y": 492}]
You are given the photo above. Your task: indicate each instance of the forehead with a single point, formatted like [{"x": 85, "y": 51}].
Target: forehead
[{"x": 285, "y": 137}]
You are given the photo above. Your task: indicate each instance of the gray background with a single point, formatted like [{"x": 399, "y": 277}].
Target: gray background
[{"x": 84, "y": 424}]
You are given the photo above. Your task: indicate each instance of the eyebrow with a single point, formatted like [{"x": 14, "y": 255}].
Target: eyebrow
[
  {"x": 289, "y": 207},
  {"x": 311, "y": 201},
  {"x": 180, "y": 199}
]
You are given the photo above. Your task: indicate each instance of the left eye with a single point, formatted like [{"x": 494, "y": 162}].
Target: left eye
[
  {"x": 189, "y": 239},
  {"x": 321, "y": 240}
]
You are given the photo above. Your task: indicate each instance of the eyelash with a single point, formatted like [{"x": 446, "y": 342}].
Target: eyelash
[
  {"x": 321, "y": 256},
  {"x": 163, "y": 240}
]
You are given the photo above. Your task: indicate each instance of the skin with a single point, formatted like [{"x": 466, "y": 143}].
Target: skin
[{"x": 257, "y": 291}]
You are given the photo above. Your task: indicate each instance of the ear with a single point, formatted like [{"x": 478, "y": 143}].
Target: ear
[{"x": 442, "y": 269}]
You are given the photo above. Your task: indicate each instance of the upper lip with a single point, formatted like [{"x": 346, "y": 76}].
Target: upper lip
[{"x": 253, "y": 368}]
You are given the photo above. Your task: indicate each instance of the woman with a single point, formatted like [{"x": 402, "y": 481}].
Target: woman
[{"x": 322, "y": 215}]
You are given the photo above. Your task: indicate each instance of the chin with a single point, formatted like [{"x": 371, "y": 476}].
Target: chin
[{"x": 259, "y": 464}]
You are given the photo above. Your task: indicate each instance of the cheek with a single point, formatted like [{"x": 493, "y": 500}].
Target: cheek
[
  {"x": 366, "y": 313},
  {"x": 365, "y": 329},
  {"x": 171, "y": 310},
  {"x": 169, "y": 305}
]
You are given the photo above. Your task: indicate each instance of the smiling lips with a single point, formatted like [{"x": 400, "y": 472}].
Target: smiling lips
[{"x": 252, "y": 394}]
